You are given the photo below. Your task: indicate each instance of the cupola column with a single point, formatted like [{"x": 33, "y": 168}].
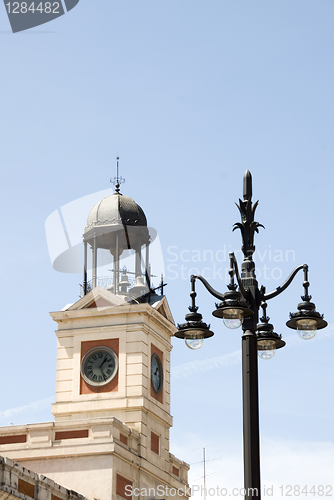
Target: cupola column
[
  {"x": 147, "y": 266},
  {"x": 85, "y": 268},
  {"x": 116, "y": 265},
  {"x": 138, "y": 257},
  {"x": 94, "y": 248}
]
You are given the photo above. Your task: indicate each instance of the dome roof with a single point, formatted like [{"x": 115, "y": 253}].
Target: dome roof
[{"x": 115, "y": 210}]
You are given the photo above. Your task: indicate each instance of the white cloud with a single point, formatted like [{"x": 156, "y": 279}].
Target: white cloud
[
  {"x": 35, "y": 406},
  {"x": 187, "y": 369},
  {"x": 298, "y": 463},
  {"x": 283, "y": 464}
]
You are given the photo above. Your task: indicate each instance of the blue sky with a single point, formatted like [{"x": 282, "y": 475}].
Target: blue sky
[{"x": 190, "y": 94}]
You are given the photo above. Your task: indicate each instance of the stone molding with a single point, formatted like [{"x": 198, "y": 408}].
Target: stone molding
[
  {"x": 18, "y": 482},
  {"x": 104, "y": 437}
]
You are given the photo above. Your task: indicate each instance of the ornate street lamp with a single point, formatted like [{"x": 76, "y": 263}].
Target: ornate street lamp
[
  {"x": 193, "y": 331},
  {"x": 267, "y": 340},
  {"x": 240, "y": 307}
]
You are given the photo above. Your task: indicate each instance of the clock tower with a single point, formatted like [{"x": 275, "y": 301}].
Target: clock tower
[{"x": 110, "y": 435}]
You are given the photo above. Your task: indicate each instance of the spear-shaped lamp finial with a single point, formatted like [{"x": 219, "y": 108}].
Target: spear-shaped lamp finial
[{"x": 247, "y": 185}]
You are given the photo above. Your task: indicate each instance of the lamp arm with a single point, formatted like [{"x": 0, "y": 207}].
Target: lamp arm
[
  {"x": 233, "y": 261},
  {"x": 209, "y": 288},
  {"x": 285, "y": 285}
]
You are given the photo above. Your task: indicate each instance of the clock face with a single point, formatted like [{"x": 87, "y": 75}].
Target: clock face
[
  {"x": 156, "y": 373},
  {"x": 99, "y": 366}
]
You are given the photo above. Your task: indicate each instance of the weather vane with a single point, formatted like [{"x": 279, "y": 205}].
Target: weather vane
[{"x": 117, "y": 181}]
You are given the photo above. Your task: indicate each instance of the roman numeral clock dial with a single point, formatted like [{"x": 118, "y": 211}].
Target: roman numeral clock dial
[
  {"x": 156, "y": 373},
  {"x": 99, "y": 366}
]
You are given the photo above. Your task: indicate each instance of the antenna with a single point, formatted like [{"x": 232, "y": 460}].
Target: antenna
[
  {"x": 117, "y": 181},
  {"x": 204, "y": 478},
  {"x": 204, "y": 461}
]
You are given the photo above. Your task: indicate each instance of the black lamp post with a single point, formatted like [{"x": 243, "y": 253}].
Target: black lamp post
[{"x": 241, "y": 307}]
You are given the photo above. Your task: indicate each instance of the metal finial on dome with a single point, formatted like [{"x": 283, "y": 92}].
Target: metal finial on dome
[{"x": 117, "y": 181}]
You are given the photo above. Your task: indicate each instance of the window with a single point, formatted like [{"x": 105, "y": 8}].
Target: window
[
  {"x": 123, "y": 487},
  {"x": 155, "y": 443}
]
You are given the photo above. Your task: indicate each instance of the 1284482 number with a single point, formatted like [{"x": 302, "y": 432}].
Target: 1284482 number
[
  {"x": 23, "y": 8},
  {"x": 289, "y": 490}
]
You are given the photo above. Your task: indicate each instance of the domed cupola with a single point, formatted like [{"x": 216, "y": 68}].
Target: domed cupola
[
  {"x": 117, "y": 223},
  {"x": 114, "y": 210},
  {"x": 116, "y": 216}
]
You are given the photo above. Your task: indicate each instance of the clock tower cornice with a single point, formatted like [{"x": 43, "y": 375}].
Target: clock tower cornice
[{"x": 119, "y": 315}]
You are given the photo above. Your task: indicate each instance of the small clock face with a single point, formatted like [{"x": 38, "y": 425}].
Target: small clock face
[
  {"x": 99, "y": 366},
  {"x": 156, "y": 373}
]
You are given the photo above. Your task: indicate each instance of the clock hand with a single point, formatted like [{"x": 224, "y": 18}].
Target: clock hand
[{"x": 105, "y": 359}]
